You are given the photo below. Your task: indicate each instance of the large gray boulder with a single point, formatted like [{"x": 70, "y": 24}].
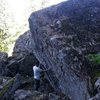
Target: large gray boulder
[
  {"x": 62, "y": 35},
  {"x": 23, "y": 45}
]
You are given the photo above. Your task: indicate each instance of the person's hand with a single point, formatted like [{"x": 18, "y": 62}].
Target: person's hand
[{"x": 47, "y": 70}]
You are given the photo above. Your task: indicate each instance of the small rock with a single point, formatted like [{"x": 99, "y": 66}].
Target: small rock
[
  {"x": 53, "y": 96},
  {"x": 22, "y": 94},
  {"x": 97, "y": 84}
]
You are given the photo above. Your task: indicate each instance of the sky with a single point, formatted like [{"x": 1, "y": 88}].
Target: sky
[
  {"x": 51, "y": 2},
  {"x": 18, "y": 7},
  {"x": 21, "y": 9}
]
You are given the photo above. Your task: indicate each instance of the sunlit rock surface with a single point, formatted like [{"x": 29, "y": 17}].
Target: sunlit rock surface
[{"x": 63, "y": 35}]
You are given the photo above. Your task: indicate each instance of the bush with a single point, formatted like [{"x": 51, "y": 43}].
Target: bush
[
  {"x": 94, "y": 58},
  {"x": 3, "y": 44}
]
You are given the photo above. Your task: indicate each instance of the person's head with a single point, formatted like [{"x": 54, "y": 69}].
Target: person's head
[{"x": 37, "y": 63}]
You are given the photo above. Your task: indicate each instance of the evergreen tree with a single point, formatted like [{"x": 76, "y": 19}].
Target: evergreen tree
[{"x": 10, "y": 29}]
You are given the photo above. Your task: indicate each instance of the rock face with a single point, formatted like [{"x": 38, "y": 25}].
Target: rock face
[
  {"x": 23, "y": 44},
  {"x": 97, "y": 97},
  {"x": 22, "y": 64},
  {"x": 3, "y": 56},
  {"x": 3, "y": 59},
  {"x": 22, "y": 88},
  {"x": 22, "y": 59},
  {"x": 9, "y": 87},
  {"x": 62, "y": 35},
  {"x": 97, "y": 85}
]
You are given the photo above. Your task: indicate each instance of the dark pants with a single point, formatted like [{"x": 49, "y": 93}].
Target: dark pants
[{"x": 37, "y": 84}]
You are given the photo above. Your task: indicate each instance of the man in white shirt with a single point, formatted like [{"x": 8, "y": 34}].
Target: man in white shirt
[{"x": 37, "y": 74}]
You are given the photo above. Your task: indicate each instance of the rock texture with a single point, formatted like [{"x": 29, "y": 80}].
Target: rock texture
[
  {"x": 23, "y": 45},
  {"x": 3, "y": 61},
  {"x": 19, "y": 63},
  {"x": 97, "y": 85},
  {"x": 22, "y": 88},
  {"x": 62, "y": 35},
  {"x": 96, "y": 97},
  {"x": 22, "y": 59},
  {"x": 10, "y": 87}
]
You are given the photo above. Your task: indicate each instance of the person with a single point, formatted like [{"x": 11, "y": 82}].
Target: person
[{"x": 37, "y": 75}]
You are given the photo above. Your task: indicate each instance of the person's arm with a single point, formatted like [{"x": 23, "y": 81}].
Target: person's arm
[{"x": 45, "y": 70}]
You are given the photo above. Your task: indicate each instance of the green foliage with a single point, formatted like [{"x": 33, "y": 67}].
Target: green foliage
[
  {"x": 3, "y": 44},
  {"x": 11, "y": 27},
  {"x": 94, "y": 58},
  {"x": 96, "y": 74},
  {"x": 95, "y": 61}
]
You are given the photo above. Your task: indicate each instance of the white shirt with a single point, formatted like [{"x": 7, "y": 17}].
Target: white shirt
[{"x": 37, "y": 72}]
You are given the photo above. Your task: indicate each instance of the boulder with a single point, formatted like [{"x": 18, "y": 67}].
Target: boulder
[
  {"x": 3, "y": 81},
  {"x": 29, "y": 95},
  {"x": 54, "y": 97},
  {"x": 22, "y": 94},
  {"x": 23, "y": 45},
  {"x": 62, "y": 35},
  {"x": 22, "y": 59},
  {"x": 21, "y": 64},
  {"x": 3, "y": 56},
  {"x": 9, "y": 87},
  {"x": 36, "y": 95},
  {"x": 3, "y": 61},
  {"x": 97, "y": 85},
  {"x": 96, "y": 97}
]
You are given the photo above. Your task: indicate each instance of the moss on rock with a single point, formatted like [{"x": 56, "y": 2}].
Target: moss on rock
[{"x": 6, "y": 87}]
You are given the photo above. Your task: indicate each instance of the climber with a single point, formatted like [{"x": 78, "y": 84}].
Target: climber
[{"x": 37, "y": 74}]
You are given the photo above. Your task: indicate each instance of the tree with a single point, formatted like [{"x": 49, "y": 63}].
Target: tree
[
  {"x": 3, "y": 35},
  {"x": 10, "y": 29}
]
